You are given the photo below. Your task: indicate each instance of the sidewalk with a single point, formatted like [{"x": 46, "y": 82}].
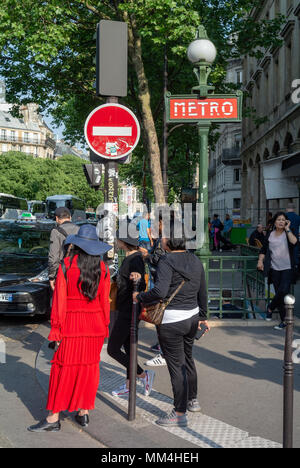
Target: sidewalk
[{"x": 239, "y": 364}]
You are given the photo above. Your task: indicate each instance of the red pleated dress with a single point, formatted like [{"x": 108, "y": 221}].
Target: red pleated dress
[{"x": 81, "y": 326}]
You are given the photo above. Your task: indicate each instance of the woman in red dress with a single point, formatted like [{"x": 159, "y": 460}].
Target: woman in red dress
[{"x": 79, "y": 323}]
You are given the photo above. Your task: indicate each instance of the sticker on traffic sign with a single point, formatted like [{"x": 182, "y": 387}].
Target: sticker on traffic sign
[{"x": 112, "y": 131}]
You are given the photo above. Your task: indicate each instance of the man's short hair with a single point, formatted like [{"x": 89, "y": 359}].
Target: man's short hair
[
  {"x": 291, "y": 206},
  {"x": 226, "y": 294},
  {"x": 62, "y": 213}
]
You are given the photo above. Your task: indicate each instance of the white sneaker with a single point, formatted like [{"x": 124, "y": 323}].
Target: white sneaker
[
  {"x": 148, "y": 382},
  {"x": 158, "y": 360},
  {"x": 123, "y": 390}
]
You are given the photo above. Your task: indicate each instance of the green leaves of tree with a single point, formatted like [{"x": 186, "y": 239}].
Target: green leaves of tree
[{"x": 35, "y": 179}]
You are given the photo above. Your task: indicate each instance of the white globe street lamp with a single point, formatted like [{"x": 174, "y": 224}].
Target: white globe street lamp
[
  {"x": 202, "y": 50},
  {"x": 202, "y": 53}
]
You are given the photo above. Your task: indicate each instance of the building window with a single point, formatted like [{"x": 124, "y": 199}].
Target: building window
[
  {"x": 288, "y": 67},
  {"x": 13, "y": 135},
  {"x": 239, "y": 77},
  {"x": 237, "y": 176},
  {"x": 4, "y": 148},
  {"x": 3, "y": 135},
  {"x": 237, "y": 142},
  {"x": 26, "y": 137},
  {"x": 236, "y": 203}
]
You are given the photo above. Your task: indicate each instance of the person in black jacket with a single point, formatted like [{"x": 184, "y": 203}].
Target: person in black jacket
[
  {"x": 276, "y": 259},
  {"x": 132, "y": 268},
  {"x": 257, "y": 235},
  {"x": 182, "y": 318}
]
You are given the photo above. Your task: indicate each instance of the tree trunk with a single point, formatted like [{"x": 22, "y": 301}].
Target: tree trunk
[{"x": 135, "y": 52}]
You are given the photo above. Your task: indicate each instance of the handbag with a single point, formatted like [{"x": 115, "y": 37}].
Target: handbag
[{"x": 154, "y": 313}]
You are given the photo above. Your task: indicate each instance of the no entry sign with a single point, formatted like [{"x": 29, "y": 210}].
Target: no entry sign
[{"x": 112, "y": 131}]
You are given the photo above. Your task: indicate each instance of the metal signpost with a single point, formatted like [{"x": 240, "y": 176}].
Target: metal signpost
[
  {"x": 288, "y": 379},
  {"x": 112, "y": 131}
]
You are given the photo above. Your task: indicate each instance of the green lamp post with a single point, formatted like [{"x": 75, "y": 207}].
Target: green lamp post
[
  {"x": 203, "y": 107},
  {"x": 202, "y": 53}
]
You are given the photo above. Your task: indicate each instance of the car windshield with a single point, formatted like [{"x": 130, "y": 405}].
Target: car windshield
[{"x": 18, "y": 239}]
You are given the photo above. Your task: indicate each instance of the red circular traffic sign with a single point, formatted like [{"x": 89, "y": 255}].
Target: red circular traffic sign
[{"x": 112, "y": 131}]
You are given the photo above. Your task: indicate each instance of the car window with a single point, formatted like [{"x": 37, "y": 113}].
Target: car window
[{"x": 19, "y": 239}]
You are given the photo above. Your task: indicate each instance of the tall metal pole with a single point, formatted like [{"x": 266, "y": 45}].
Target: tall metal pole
[
  {"x": 165, "y": 130},
  {"x": 133, "y": 359},
  {"x": 203, "y": 131},
  {"x": 288, "y": 384}
]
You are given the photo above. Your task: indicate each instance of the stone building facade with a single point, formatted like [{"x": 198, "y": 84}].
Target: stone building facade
[
  {"x": 28, "y": 134},
  {"x": 271, "y": 138},
  {"x": 224, "y": 179}
]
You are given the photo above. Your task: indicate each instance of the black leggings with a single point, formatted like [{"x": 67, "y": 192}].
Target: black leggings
[
  {"x": 120, "y": 336},
  {"x": 282, "y": 281},
  {"x": 176, "y": 341}
]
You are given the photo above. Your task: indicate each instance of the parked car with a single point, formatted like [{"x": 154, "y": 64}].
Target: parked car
[{"x": 24, "y": 283}]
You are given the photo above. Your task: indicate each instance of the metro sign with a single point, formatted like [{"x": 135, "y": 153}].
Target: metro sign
[
  {"x": 112, "y": 131},
  {"x": 220, "y": 108}
]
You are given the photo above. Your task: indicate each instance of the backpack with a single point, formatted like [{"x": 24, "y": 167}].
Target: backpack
[
  {"x": 66, "y": 249},
  {"x": 220, "y": 226}
]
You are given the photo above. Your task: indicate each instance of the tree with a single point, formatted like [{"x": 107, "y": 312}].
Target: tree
[
  {"x": 47, "y": 51},
  {"x": 24, "y": 176}
]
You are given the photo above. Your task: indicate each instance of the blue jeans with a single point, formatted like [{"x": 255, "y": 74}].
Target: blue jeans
[{"x": 145, "y": 244}]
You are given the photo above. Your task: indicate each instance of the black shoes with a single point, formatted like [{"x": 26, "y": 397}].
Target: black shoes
[
  {"x": 45, "y": 426},
  {"x": 82, "y": 420}
]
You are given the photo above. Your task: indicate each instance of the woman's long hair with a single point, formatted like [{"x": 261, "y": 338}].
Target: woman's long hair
[{"x": 90, "y": 272}]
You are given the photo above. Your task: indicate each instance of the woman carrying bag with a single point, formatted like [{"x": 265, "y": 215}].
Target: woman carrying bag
[
  {"x": 276, "y": 259},
  {"x": 79, "y": 324},
  {"x": 132, "y": 269},
  {"x": 182, "y": 317}
]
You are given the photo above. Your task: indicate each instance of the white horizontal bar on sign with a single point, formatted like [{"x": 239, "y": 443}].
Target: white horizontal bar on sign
[{"x": 112, "y": 131}]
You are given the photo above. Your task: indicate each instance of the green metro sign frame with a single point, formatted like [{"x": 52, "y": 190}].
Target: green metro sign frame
[{"x": 218, "y": 108}]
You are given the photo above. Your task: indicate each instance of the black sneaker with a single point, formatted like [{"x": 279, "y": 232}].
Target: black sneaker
[
  {"x": 45, "y": 426},
  {"x": 281, "y": 326},
  {"x": 269, "y": 316}
]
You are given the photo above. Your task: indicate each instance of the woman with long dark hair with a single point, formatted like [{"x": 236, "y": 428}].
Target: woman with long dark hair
[
  {"x": 79, "y": 324},
  {"x": 276, "y": 259}
]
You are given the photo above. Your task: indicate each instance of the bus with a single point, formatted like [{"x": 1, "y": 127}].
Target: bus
[
  {"x": 11, "y": 207},
  {"x": 37, "y": 208},
  {"x": 74, "y": 204}
]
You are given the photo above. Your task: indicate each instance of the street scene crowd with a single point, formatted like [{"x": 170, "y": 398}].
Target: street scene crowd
[
  {"x": 80, "y": 315},
  {"x": 162, "y": 216}
]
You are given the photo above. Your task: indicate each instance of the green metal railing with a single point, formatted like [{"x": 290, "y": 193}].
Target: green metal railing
[{"x": 239, "y": 275}]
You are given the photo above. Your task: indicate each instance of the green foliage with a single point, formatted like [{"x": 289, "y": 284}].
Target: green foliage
[
  {"x": 48, "y": 51},
  {"x": 24, "y": 176}
]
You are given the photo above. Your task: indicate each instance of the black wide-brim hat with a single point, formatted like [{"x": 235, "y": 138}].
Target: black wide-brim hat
[
  {"x": 87, "y": 240},
  {"x": 127, "y": 239}
]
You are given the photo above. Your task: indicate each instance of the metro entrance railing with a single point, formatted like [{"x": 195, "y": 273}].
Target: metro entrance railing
[{"x": 238, "y": 274}]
